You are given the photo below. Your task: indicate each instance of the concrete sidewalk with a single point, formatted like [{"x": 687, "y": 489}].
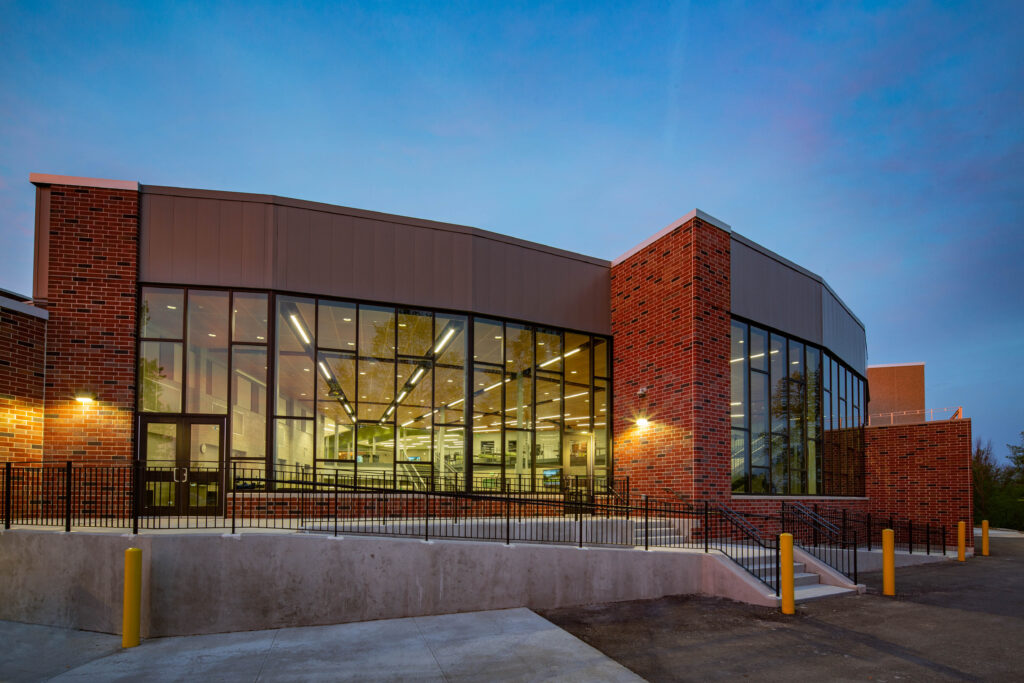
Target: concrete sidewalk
[{"x": 499, "y": 645}]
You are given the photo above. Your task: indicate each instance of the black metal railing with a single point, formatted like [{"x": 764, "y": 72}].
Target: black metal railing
[
  {"x": 130, "y": 496},
  {"x": 833, "y": 545},
  {"x": 910, "y": 536}
]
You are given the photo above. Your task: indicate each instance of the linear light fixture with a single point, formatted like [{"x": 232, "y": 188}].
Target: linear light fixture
[
  {"x": 444, "y": 340},
  {"x": 299, "y": 328},
  {"x": 558, "y": 358}
]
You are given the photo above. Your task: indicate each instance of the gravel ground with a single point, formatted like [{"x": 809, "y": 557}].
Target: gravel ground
[{"x": 949, "y": 621}]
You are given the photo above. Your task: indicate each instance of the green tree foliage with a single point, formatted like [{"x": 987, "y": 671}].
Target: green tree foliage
[{"x": 999, "y": 489}]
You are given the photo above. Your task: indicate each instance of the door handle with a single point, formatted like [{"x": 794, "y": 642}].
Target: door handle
[
  {"x": 174, "y": 474},
  {"x": 184, "y": 472}
]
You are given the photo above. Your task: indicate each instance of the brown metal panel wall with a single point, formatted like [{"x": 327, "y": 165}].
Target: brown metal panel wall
[
  {"x": 772, "y": 293},
  {"x": 263, "y": 242},
  {"x": 229, "y": 238},
  {"x": 842, "y": 333}
]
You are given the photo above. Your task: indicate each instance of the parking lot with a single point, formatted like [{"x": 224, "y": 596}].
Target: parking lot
[{"x": 949, "y": 621}]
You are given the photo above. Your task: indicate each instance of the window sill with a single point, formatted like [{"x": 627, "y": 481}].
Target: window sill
[{"x": 758, "y": 496}]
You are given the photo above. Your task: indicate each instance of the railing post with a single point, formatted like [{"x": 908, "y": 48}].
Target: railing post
[
  {"x": 869, "y": 531},
  {"x": 647, "y": 538},
  {"x": 67, "y": 497},
  {"x": 844, "y": 523},
  {"x": 778, "y": 565},
  {"x": 855, "y": 556},
  {"x": 335, "y": 504},
  {"x": 7, "y": 495},
  {"x": 234, "y": 494},
  {"x": 508, "y": 520},
  {"x": 782, "y": 515},
  {"x": 910, "y": 537},
  {"x": 579, "y": 518},
  {"x": 426, "y": 516},
  {"x": 943, "y": 529},
  {"x": 927, "y": 538},
  {"x": 707, "y": 529},
  {"x": 136, "y": 495}
]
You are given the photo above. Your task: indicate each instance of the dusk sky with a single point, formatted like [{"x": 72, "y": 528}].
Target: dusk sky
[{"x": 880, "y": 147}]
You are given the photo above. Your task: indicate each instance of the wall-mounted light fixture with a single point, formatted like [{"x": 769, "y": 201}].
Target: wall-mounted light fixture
[
  {"x": 641, "y": 412},
  {"x": 85, "y": 397}
]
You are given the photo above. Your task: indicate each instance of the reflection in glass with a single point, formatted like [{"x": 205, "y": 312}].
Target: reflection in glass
[
  {"x": 160, "y": 377},
  {"x": 376, "y": 332},
  {"x": 337, "y": 325},
  {"x": 249, "y": 317},
  {"x": 207, "y": 382},
  {"x": 293, "y": 455},
  {"x": 248, "y": 402},
  {"x": 415, "y": 332},
  {"x": 161, "y": 315}
]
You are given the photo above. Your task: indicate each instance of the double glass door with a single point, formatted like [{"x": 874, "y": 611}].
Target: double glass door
[{"x": 181, "y": 459}]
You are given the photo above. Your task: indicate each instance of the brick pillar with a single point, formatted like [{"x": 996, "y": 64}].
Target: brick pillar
[
  {"x": 22, "y": 343},
  {"x": 89, "y": 261},
  {"x": 670, "y": 322}
]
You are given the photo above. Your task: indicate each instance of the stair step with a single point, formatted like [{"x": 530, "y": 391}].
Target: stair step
[
  {"x": 819, "y": 591},
  {"x": 801, "y": 579}
]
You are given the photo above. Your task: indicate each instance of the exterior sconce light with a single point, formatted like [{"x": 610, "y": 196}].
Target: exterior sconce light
[
  {"x": 85, "y": 397},
  {"x": 641, "y": 398}
]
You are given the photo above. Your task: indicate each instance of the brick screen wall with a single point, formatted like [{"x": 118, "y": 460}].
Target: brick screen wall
[
  {"x": 670, "y": 321},
  {"x": 22, "y": 343},
  {"x": 921, "y": 472},
  {"x": 91, "y": 297}
]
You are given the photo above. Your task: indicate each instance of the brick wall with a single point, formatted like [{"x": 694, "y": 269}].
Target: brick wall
[
  {"x": 670, "y": 321},
  {"x": 921, "y": 472},
  {"x": 91, "y": 293},
  {"x": 22, "y": 343}
]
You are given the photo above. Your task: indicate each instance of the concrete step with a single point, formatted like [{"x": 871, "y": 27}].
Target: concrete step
[
  {"x": 819, "y": 591},
  {"x": 801, "y": 579}
]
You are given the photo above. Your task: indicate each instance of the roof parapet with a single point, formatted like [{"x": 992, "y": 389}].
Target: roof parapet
[{"x": 102, "y": 183}]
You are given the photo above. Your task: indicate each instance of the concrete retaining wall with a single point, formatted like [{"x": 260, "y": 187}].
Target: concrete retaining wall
[{"x": 209, "y": 583}]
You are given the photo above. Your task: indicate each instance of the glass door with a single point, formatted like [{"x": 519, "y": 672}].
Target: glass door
[{"x": 181, "y": 465}]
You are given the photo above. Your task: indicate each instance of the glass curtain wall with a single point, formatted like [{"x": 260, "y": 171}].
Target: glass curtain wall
[
  {"x": 796, "y": 417},
  {"x": 336, "y": 390}
]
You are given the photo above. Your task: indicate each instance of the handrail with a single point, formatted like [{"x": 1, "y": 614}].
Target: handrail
[
  {"x": 823, "y": 523},
  {"x": 822, "y": 539},
  {"x": 740, "y": 521}
]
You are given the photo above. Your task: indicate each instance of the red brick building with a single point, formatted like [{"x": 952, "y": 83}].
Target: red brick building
[{"x": 195, "y": 331}]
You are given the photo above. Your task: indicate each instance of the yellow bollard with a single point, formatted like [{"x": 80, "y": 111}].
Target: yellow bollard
[
  {"x": 888, "y": 562},
  {"x": 984, "y": 537},
  {"x": 786, "y": 573},
  {"x": 130, "y": 623},
  {"x": 961, "y": 541}
]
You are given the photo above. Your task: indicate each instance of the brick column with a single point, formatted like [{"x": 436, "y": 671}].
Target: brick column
[
  {"x": 89, "y": 260},
  {"x": 670, "y": 322},
  {"x": 22, "y": 343}
]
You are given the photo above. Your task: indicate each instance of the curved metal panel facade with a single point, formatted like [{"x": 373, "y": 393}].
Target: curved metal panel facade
[
  {"x": 775, "y": 292},
  {"x": 228, "y": 239}
]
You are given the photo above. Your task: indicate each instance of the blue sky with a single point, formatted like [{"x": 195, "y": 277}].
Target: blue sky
[{"x": 881, "y": 146}]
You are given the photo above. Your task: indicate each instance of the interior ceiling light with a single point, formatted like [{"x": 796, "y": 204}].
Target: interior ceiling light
[
  {"x": 444, "y": 340},
  {"x": 299, "y": 328}
]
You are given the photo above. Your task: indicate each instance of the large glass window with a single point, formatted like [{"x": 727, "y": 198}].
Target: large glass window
[
  {"x": 796, "y": 417},
  {"x": 407, "y": 397}
]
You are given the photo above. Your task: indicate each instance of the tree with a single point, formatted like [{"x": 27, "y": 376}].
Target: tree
[
  {"x": 1017, "y": 460},
  {"x": 987, "y": 476}
]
